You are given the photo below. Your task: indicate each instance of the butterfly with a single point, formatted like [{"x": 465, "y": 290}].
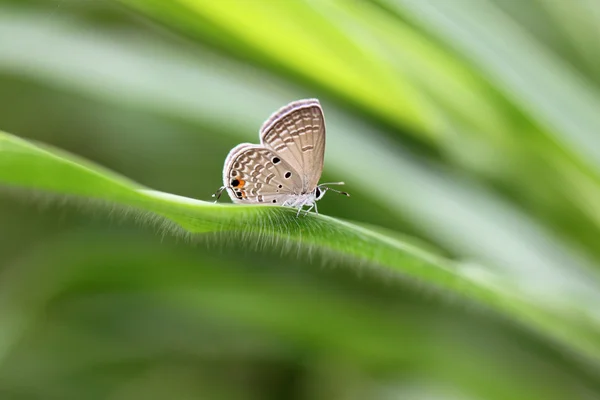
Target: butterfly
[{"x": 286, "y": 166}]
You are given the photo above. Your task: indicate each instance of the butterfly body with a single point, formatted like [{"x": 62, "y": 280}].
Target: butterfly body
[
  {"x": 286, "y": 166},
  {"x": 304, "y": 199}
]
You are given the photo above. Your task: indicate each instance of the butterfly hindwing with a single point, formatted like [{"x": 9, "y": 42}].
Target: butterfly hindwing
[
  {"x": 255, "y": 174},
  {"x": 297, "y": 133}
]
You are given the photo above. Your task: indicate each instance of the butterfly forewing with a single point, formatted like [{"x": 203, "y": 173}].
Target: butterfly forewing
[
  {"x": 255, "y": 174},
  {"x": 297, "y": 134}
]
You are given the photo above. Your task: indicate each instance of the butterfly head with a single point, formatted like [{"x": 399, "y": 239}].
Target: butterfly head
[{"x": 319, "y": 193}]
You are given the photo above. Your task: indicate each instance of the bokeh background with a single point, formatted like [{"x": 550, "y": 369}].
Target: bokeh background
[{"x": 471, "y": 127}]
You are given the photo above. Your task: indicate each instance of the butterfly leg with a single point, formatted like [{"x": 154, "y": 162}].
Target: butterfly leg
[
  {"x": 218, "y": 193},
  {"x": 313, "y": 205},
  {"x": 301, "y": 208}
]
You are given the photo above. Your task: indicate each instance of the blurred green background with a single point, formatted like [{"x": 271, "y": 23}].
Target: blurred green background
[{"x": 466, "y": 126}]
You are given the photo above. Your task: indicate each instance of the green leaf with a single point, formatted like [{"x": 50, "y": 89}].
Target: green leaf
[
  {"x": 429, "y": 195},
  {"x": 26, "y": 166}
]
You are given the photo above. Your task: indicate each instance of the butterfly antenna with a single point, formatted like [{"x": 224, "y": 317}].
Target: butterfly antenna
[
  {"x": 337, "y": 191},
  {"x": 332, "y": 183},
  {"x": 218, "y": 193}
]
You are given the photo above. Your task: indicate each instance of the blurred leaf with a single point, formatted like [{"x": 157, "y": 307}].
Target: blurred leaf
[
  {"x": 560, "y": 101},
  {"x": 330, "y": 59},
  {"x": 108, "y": 300},
  {"x": 540, "y": 83}
]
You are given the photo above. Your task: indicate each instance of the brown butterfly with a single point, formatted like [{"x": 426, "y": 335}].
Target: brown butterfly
[{"x": 286, "y": 166}]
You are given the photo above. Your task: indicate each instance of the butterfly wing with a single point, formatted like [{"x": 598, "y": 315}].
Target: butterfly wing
[
  {"x": 297, "y": 133},
  {"x": 255, "y": 174}
]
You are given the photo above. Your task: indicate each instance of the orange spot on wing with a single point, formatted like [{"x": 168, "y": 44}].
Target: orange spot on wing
[{"x": 242, "y": 183}]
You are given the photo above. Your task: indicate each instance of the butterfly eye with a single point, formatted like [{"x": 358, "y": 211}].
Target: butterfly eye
[{"x": 318, "y": 193}]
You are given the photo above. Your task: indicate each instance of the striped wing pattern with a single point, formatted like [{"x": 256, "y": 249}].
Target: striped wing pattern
[
  {"x": 297, "y": 134},
  {"x": 255, "y": 174}
]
